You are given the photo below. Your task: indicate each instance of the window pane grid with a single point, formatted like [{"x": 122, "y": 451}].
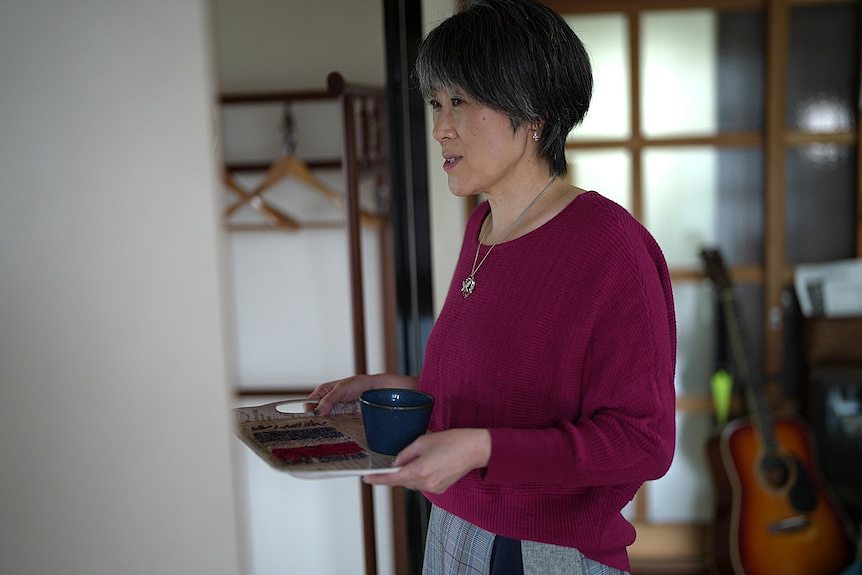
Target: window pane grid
[{"x": 727, "y": 135}]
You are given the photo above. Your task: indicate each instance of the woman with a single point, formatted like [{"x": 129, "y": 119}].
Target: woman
[{"x": 552, "y": 360}]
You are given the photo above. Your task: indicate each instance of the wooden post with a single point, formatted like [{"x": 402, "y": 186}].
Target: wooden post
[
  {"x": 351, "y": 180},
  {"x": 774, "y": 227}
]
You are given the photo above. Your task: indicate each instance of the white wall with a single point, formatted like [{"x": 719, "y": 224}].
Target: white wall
[
  {"x": 448, "y": 213},
  {"x": 291, "y": 44},
  {"x": 114, "y": 428}
]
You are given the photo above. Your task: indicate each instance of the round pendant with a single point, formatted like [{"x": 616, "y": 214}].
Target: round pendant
[{"x": 468, "y": 285}]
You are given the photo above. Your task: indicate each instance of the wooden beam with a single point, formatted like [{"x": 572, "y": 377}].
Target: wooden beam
[
  {"x": 694, "y": 403},
  {"x": 668, "y": 544},
  {"x": 726, "y": 140},
  {"x": 262, "y": 166},
  {"x": 585, "y": 6},
  {"x": 591, "y": 6},
  {"x": 774, "y": 176},
  {"x": 284, "y": 392},
  {"x": 641, "y": 507},
  {"x": 820, "y": 2},
  {"x": 729, "y": 140},
  {"x": 752, "y": 274},
  {"x": 633, "y": 21},
  {"x": 795, "y": 139},
  {"x": 274, "y": 97},
  {"x": 859, "y": 155}
]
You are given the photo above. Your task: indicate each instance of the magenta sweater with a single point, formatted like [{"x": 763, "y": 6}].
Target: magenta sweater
[{"x": 566, "y": 352}]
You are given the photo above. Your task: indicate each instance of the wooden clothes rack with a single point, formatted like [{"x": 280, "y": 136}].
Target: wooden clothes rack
[{"x": 364, "y": 150}]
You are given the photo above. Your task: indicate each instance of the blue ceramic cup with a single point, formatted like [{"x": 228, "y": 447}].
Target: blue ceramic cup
[{"x": 394, "y": 418}]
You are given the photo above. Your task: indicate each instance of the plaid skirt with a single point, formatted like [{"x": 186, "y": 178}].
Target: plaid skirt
[{"x": 457, "y": 547}]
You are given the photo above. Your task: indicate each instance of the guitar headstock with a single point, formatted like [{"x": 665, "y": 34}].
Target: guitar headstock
[{"x": 715, "y": 269}]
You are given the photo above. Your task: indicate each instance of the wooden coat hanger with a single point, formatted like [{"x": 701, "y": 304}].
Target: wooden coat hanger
[
  {"x": 289, "y": 164},
  {"x": 275, "y": 215}
]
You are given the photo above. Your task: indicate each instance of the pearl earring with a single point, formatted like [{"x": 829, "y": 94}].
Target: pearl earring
[{"x": 535, "y": 135}]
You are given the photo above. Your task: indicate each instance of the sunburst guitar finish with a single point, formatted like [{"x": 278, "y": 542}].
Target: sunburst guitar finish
[{"x": 782, "y": 521}]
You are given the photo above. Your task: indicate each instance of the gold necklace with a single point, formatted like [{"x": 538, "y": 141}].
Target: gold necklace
[{"x": 469, "y": 283}]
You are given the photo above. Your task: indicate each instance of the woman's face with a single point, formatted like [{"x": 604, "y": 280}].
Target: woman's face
[{"x": 481, "y": 152}]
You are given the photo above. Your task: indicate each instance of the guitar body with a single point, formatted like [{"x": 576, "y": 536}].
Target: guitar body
[{"x": 781, "y": 520}]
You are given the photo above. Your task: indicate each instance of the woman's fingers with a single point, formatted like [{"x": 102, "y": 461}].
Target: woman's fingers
[
  {"x": 348, "y": 389},
  {"x": 327, "y": 401},
  {"x": 435, "y": 461},
  {"x": 320, "y": 393},
  {"x": 333, "y": 392}
]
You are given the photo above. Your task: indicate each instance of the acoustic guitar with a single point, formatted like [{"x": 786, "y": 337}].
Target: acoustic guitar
[{"x": 779, "y": 517}]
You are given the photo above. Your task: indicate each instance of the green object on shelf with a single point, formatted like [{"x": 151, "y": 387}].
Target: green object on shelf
[{"x": 722, "y": 386}]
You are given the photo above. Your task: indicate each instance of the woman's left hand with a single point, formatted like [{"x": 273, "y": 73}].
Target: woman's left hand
[{"x": 435, "y": 461}]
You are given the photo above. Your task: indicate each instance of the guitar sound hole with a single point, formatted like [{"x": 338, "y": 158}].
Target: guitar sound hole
[{"x": 775, "y": 471}]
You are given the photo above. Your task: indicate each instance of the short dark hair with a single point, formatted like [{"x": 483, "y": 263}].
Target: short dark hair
[{"x": 518, "y": 57}]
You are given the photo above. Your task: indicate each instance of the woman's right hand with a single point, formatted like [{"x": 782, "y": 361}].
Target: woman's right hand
[{"x": 349, "y": 389}]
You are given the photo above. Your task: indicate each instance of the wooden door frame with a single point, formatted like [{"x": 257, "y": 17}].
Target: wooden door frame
[{"x": 411, "y": 245}]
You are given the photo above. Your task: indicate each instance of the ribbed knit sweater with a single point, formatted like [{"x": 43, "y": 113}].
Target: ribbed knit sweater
[{"x": 565, "y": 351}]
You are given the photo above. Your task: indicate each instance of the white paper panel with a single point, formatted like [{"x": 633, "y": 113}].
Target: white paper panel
[
  {"x": 680, "y": 201},
  {"x": 678, "y": 73},
  {"x": 608, "y": 172},
  {"x": 685, "y": 494},
  {"x": 605, "y": 37},
  {"x": 696, "y": 336}
]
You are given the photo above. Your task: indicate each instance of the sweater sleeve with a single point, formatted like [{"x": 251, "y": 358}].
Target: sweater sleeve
[{"x": 625, "y": 431}]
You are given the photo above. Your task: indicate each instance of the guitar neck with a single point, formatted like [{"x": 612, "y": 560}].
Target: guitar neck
[{"x": 748, "y": 378}]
